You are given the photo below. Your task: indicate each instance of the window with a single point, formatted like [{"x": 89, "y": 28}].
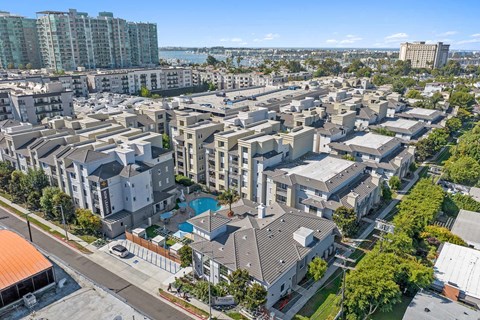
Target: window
[
  {"x": 134, "y": 198},
  {"x": 148, "y": 199},
  {"x": 133, "y": 185},
  {"x": 126, "y": 198},
  {"x": 282, "y": 287},
  {"x": 75, "y": 188},
  {"x": 160, "y": 183},
  {"x": 166, "y": 168}
]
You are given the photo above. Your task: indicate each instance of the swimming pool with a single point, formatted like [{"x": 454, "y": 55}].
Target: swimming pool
[{"x": 199, "y": 205}]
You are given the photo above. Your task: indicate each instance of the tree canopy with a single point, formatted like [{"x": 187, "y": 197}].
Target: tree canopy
[{"x": 346, "y": 220}]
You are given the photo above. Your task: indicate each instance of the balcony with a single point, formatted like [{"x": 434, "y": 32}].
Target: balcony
[
  {"x": 46, "y": 103},
  {"x": 42, "y": 111}
]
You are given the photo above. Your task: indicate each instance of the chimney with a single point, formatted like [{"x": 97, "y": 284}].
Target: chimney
[
  {"x": 261, "y": 211},
  {"x": 352, "y": 199}
]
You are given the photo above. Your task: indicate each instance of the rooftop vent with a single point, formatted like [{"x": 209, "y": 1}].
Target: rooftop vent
[
  {"x": 244, "y": 237},
  {"x": 303, "y": 236}
]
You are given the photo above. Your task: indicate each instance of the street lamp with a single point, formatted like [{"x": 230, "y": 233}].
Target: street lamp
[
  {"x": 28, "y": 225},
  {"x": 63, "y": 222}
]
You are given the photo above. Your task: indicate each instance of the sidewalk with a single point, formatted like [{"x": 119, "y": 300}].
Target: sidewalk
[
  {"x": 51, "y": 225},
  {"x": 310, "y": 292}
]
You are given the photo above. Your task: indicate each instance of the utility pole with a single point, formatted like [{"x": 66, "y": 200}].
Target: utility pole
[
  {"x": 64, "y": 223},
  {"x": 344, "y": 266}
]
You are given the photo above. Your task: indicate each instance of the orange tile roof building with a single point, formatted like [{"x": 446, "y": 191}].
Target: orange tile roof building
[{"x": 23, "y": 269}]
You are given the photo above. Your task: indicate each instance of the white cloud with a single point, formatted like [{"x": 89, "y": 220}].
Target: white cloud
[
  {"x": 235, "y": 40},
  {"x": 267, "y": 37},
  {"x": 446, "y": 34},
  {"x": 396, "y": 37},
  {"x": 468, "y": 41},
  {"x": 349, "y": 39},
  {"x": 476, "y": 35}
]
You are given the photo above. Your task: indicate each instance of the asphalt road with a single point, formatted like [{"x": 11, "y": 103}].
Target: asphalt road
[{"x": 136, "y": 297}]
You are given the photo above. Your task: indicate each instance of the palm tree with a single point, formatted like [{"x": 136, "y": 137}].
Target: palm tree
[{"x": 228, "y": 197}]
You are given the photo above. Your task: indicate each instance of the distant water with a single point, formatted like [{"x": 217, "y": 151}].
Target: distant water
[{"x": 186, "y": 56}]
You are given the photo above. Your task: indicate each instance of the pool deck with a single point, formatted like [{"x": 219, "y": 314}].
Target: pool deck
[{"x": 179, "y": 216}]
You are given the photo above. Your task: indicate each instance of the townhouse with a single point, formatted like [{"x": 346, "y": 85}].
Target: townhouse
[
  {"x": 273, "y": 243},
  {"x": 320, "y": 183},
  {"x": 405, "y": 129},
  {"x": 122, "y": 174},
  {"x": 383, "y": 155}
]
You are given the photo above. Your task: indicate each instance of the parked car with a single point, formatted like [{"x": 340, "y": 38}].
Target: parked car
[{"x": 119, "y": 250}]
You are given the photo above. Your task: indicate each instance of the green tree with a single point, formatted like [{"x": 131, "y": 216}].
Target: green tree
[
  {"x": 201, "y": 290},
  {"x": 442, "y": 234},
  {"x": 166, "y": 141},
  {"x": 29, "y": 66},
  {"x": 453, "y": 125},
  {"x": 46, "y": 200},
  {"x": 10, "y": 66},
  {"x": 212, "y": 86},
  {"x": 239, "y": 61},
  {"x": 464, "y": 170},
  {"x": 398, "y": 87},
  {"x": 317, "y": 268},
  {"x": 62, "y": 201},
  {"x": 238, "y": 282},
  {"x": 211, "y": 60},
  {"x": 6, "y": 170},
  {"x": 36, "y": 179},
  {"x": 371, "y": 287},
  {"x": 435, "y": 99},
  {"x": 394, "y": 183},
  {"x": 33, "y": 200},
  {"x": 346, "y": 220},
  {"x": 88, "y": 222},
  {"x": 144, "y": 92},
  {"x": 413, "y": 94},
  {"x": 228, "y": 197},
  {"x": 255, "y": 296},
  {"x": 185, "y": 254},
  {"x": 462, "y": 99},
  {"x": 386, "y": 193},
  {"x": 16, "y": 187}
]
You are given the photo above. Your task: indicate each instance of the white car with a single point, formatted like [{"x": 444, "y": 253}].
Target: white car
[{"x": 119, "y": 250}]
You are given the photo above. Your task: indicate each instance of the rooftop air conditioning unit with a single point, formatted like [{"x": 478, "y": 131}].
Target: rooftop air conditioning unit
[{"x": 29, "y": 300}]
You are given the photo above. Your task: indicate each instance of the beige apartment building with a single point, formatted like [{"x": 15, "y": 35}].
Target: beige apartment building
[
  {"x": 189, "y": 134},
  {"x": 424, "y": 55}
]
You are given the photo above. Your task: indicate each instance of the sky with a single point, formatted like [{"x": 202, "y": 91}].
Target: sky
[{"x": 280, "y": 23}]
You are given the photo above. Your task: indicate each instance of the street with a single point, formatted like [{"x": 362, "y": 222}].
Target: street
[{"x": 137, "y": 298}]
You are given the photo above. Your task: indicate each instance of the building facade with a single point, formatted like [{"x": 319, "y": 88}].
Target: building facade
[
  {"x": 72, "y": 39},
  {"x": 423, "y": 55},
  {"x": 18, "y": 42}
]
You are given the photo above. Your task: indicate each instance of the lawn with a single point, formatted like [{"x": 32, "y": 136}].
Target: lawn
[
  {"x": 397, "y": 311},
  {"x": 444, "y": 156},
  {"x": 151, "y": 231},
  {"x": 324, "y": 304}
]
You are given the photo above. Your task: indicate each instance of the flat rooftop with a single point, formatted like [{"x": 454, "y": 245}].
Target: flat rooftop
[
  {"x": 320, "y": 167},
  {"x": 369, "y": 140},
  {"x": 461, "y": 266},
  {"x": 400, "y": 123},
  {"x": 421, "y": 111}
]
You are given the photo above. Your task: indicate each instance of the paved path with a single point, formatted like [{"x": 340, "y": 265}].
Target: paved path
[{"x": 308, "y": 294}]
